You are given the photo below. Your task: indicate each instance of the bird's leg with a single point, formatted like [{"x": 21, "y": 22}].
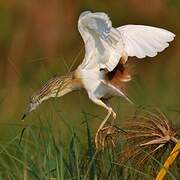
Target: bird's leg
[
  {"x": 104, "y": 121},
  {"x": 103, "y": 104},
  {"x": 101, "y": 128},
  {"x": 110, "y": 129}
]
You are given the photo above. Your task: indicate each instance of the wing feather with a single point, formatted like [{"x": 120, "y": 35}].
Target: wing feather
[
  {"x": 142, "y": 41},
  {"x": 102, "y": 41},
  {"x": 105, "y": 45}
]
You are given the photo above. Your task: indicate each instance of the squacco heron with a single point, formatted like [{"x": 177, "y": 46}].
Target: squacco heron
[{"x": 103, "y": 72}]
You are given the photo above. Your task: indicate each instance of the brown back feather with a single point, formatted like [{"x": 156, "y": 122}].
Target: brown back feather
[{"x": 120, "y": 76}]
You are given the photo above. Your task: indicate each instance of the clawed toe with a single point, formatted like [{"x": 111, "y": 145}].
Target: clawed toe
[
  {"x": 104, "y": 137},
  {"x": 111, "y": 130}
]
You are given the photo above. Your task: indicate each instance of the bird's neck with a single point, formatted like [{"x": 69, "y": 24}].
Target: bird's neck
[
  {"x": 70, "y": 83},
  {"x": 59, "y": 86}
]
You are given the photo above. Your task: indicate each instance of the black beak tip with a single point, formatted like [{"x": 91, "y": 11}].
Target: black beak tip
[{"x": 24, "y": 115}]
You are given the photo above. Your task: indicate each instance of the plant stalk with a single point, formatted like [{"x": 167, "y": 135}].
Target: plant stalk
[{"x": 171, "y": 158}]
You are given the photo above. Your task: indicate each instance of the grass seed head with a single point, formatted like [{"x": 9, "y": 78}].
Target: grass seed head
[{"x": 147, "y": 135}]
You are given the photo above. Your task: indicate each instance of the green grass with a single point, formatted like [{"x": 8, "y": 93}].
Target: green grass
[
  {"x": 40, "y": 152},
  {"x": 57, "y": 141}
]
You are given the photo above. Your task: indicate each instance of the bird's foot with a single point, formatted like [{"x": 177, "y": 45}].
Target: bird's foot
[
  {"x": 103, "y": 134},
  {"x": 105, "y": 137}
]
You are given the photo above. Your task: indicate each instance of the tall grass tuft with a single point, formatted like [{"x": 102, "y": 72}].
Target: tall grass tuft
[{"x": 39, "y": 152}]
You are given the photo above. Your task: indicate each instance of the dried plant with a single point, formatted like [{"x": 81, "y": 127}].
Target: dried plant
[
  {"x": 148, "y": 135},
  {"x": 107, "y": 138}
]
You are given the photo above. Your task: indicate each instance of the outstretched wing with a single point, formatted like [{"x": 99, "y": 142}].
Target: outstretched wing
[
  {"x": 142, "y": 41},
  {"x": 105, "y": 45},
  {"x": 102, "y": 42}
]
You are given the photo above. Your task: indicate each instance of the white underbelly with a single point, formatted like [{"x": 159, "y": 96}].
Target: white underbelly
[{"x": 91, "y": 80}]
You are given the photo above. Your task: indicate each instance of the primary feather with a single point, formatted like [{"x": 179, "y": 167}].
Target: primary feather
[{"x": 142, "y": 41}]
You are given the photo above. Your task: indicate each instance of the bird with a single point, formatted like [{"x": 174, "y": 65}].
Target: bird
[{"x": 103, "y": 72}]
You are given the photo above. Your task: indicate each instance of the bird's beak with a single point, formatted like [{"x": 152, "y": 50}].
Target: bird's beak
[
  {"x": 27, "y": 111},
  {"x": 24, "y": 115},
  {"x": 29, "y": 108}
]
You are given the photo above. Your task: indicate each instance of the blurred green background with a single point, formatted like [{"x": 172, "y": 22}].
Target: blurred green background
[{"x": 39, "y": 39}]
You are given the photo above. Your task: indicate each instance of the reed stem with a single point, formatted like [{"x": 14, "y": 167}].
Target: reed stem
[{"x": 171, "y": 158}]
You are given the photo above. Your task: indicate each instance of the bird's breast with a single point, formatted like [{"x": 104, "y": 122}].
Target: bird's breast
[{"x": 90, "y": 78}]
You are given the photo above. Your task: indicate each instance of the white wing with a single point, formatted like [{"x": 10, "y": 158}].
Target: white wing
[
  {"x": 142, "y": 41},
  {"x": 103, "y": 43}
]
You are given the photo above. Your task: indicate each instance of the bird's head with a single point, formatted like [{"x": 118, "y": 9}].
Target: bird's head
[
  {"x": 55, "y": 87},
  {"x": 34, "y": 101}
]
